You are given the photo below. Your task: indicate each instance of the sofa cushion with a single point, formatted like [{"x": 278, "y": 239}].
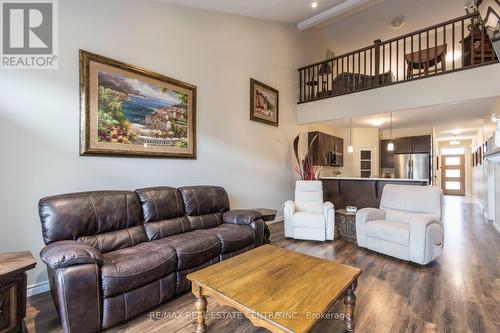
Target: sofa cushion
[
  {"x": 193, "y": 248},
  {"x": 70, "y": 216},
  {"x": 200, "y": 200},
  {"x": 205, "y": 221},
  {"x": 130, "y": 268},
  {"x": 309, "y": 220},
  {"x": 390, "y": 231},
  {"x": 115, "y": 240},
  {"x": 233, "y": 236},
  {"x": 163, "y": 212}
]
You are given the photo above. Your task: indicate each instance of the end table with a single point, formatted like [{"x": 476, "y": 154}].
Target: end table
[
  {"x": 345, "y": 224},
  {"x": 13, "y": 285}
]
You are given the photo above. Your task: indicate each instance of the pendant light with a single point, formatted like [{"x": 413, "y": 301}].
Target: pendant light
[
  {"x": 350, "y": 148},
  {"x": 390, "y": 145}
]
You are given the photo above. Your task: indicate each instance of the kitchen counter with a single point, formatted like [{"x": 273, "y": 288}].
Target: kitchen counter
[
  {"x": 391, "y": 179},
  {"x": 360, "y": 192}
]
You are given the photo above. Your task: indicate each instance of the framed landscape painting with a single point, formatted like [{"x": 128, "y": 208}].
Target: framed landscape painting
[
  {"x": 130, "y": 111},
  {"x": 264, "y": 103}
]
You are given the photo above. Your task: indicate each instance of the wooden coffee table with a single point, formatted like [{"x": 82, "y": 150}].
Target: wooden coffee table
[{"x": 278, "y": 289}]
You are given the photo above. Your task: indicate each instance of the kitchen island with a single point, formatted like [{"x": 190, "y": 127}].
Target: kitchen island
[{"x": 360, "y": 192}]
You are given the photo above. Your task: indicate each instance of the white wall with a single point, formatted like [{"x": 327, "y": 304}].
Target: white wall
[
  {"x": 486, "y": 177},
  {"x": 39, "y": 110}
]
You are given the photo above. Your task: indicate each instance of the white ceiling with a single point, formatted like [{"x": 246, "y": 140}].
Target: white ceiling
[
  {"x": 359, "y": 29},
  {"x": 289, "y": 11},
  {"x": 467, "y": 117}
]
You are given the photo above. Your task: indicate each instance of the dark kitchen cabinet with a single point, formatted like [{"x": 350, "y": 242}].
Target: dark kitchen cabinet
[
  {"x": 386, "y": 157},
  {"x": 413, "y": 145},
  {"x": 403, "y": 145},
  {"x": 326, "y": 150},
  {"x": 339, "y": 148},
  {"x": 421, "y": 144}
]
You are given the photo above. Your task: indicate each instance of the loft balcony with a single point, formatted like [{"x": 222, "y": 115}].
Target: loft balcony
[{"x": 448, "y": 47}]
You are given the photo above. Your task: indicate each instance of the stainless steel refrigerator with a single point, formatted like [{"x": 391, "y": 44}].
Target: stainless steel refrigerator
[{"x": 412, "y": 166}]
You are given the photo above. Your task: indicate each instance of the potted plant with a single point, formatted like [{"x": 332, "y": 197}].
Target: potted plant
[{"x": 305, "y": 168}]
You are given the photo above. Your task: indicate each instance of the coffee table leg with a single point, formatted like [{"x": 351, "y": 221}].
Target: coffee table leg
[
  {"x": 200, "y": 309},
  {"x": 350, "y": 303}
]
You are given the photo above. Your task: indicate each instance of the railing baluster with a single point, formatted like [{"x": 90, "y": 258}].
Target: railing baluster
[
  {"x": 300, "y": 86},
  {"x": 359, "y": 69},
  {"x": 364, "y": 71},
  {"x": 390, "y": 58},
  {"x": 412, "y": 58},
  {"x": 397, "y": 61},
  {"x": 354, "y": 71},
  {"x": 471, "y": 35},
  {"x": 404, "y": 58},
  {"x": 445, "y": 49},
  {"x": 383, "y": 61},
  {"x": 482, "y": 39},
  {"x": 463, "y": 46},
  {"x": 419, "y": 54},
  {"x": 377, "y": 61},
  {"x": 428, "y": 55},
  {"x": 453, "y": 44},
  {"x": 436, "y": 53}
]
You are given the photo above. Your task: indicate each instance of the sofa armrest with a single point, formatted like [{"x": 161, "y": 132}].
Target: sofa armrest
[
  {"x": 426, "y": 232},
  {"x": 288, "y": 211},
  {"x": 70, "y": 253},
  {"x": 328, "y": 211},
  {"x": 240, "y": 216},
  {"x": 363, "y": 216}
]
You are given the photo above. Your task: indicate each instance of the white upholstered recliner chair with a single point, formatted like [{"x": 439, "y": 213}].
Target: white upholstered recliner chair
[
  {"x": 309, "y": 217},
  {"x": 407, "y": 225}
]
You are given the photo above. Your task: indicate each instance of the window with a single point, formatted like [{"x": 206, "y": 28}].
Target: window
[
  {"x": 453, "y": 151},
  {"x": 453, "y": 185},
  {"x": 452, "y": 160},
  {"x": 452, "y": 173}
]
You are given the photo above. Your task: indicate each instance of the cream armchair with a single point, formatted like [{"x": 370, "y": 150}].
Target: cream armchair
[
  {"x": 309, "y": 217},
  {"x": 407, "y": 225}
]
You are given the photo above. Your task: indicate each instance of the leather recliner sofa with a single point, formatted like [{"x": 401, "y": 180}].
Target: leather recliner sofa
[{"x": 112, "y": 255}]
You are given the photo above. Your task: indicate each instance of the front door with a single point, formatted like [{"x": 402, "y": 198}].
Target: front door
[{"x": 453, "y": 174}]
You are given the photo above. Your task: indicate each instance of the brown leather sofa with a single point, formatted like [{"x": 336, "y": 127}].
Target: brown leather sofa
[{"x": 112, "y": 255}]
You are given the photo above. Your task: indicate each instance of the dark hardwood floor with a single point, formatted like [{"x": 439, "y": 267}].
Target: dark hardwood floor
[{"x": 459, "y": 292}]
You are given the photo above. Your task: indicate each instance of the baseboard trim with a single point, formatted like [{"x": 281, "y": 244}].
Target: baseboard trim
[
  {"x": 38, "y": 288},
  {"x": 496, "y": 226},
  {"x": 278, "y": 219}
]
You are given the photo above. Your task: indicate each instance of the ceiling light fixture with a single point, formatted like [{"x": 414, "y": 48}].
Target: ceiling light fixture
[
  {"x": 390, "y": 145},
  {"x": 314, "y": 5},
  {"x": 454, "y": 142},
  {"x": 350, "y": 148},
  {"x": 377, "y": 121},
  {"x": 398, "y": 22}
]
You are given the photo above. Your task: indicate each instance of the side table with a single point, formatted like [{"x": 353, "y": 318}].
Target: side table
[
  {"x": 13, "y": 285},
  {"x": 345, "y": 223}
]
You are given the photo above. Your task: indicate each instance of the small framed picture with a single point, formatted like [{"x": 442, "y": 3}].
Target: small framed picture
[{"x": 264, "y": 103}]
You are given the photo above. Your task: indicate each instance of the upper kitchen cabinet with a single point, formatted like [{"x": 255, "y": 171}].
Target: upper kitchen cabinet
[
  {"x": 421, "y": 144},
  {"x": 326, "y": 150},
  {"x": 403, "y": 146},
  {"x": 413, "y": 145}
]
